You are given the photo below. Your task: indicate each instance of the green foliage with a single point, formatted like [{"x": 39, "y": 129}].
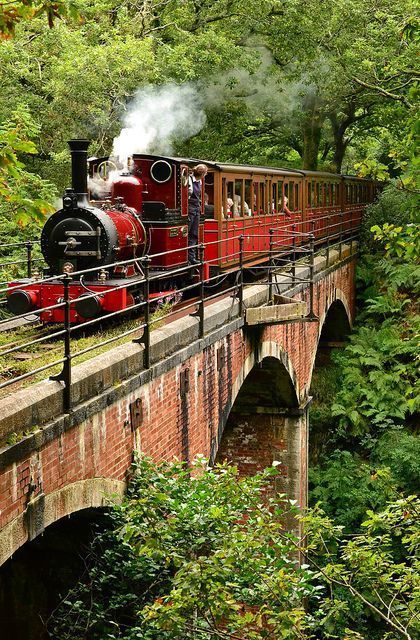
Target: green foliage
[
  {"x": 393, "y": 205},
  {"x": 201, "y": 553},
  {"x": 402, "y": 243},
  {"x": 373, "y": 577},
  {"x": 380, "y": 377},
  {"x": 400, "y": 451},
  {"x": 190, "y": 554},
  {"x": 24, "y": 195},
  {"x": 346, "y": 487},
  {"x": 13, "y": 12},
  {"x": 380, "y": 366}
]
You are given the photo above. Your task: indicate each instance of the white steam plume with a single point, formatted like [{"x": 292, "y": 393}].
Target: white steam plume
[{"x": 157, "y": 117}]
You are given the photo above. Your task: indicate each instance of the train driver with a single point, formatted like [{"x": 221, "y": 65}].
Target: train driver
[{"x": 194, "y": 209}]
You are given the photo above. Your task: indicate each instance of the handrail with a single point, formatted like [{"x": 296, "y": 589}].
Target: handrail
[{"x": 289, "y": 250}]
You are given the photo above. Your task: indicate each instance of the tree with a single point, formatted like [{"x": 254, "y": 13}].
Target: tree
[
  {"x": 372, "y": 577},
  {"x": 24, "y": 195},
  {"x": 202, "y": 553},
  {"x": 15, "y": 11},
  {"x": 191, "y": 554}
]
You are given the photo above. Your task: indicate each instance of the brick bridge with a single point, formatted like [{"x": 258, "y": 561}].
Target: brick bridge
[{"x": 241, "y": 392}]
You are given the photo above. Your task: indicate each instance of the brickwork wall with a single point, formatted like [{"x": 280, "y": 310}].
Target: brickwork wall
[{"x": 174, "y": 423}]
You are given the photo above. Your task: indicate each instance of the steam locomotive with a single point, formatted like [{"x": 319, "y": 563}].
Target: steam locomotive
[{"x": 144, "y": 211}]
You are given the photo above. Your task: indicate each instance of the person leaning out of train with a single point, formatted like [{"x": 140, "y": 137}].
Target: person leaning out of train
[
  {"x": 194, "y": 209},
  {"x": 284, "y": 208}
]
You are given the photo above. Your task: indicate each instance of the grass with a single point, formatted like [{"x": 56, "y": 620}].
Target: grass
[{"x": 41, "y": 354}]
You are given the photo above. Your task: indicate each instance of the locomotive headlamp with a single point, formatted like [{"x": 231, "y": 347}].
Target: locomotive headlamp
[{"x": 69, "y": 199}]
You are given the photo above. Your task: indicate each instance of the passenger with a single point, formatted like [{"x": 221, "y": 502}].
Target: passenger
[
  {"x": 208, "y": 208},
  {"x": 194, "y": 209},
  {"x": 284, "y": 208},
  {"x": 229, "y": 207},
  {"x": 236, "y": 206}
]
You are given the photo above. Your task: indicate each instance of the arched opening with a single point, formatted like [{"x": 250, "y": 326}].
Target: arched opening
[
  {"x": 335, "y": 331},
  {"x": 265, "y": 425},
  {"x": 40, "y": 573},
  {"x": 334, "y": 335}
]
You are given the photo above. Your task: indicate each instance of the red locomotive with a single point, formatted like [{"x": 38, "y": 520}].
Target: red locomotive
[{"x": 147, "y": 213}]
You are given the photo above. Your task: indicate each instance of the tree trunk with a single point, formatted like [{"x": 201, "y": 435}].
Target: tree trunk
[
  {"x": 312, "y": 129},
  {"x": 340, "y": 146}
]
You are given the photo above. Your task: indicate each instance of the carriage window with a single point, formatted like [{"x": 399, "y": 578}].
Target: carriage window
[
  {"x": 333, "y": 196},
  {"x": 279, "y": 195},
  {"x": 248, "y": 198},
  {"x": 285, "y": 195},
  {"x": 274, "y": 197},
  {"x": 238, "y": 199},
  {"x": 327, "y": 194},
  {"x": 311, "y": 197},
  {"x": 229, "y": 199},
  {"x": 309, "y": 194},
  {"x": 262, "y": 207},
  {"x": 296, "y": 196},
  {"x": 255, "y": 197},
  {"x": 291, "y": 203}
]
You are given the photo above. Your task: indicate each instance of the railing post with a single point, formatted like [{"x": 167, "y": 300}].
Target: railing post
[
  {"x": 270, "y": 267},
  {"x": 241, "y": 276},
  {"x": 312, "y": 228},
  {"x": 294, "y": 255},
  {"x": 28, "y": 245},
  {"x": 341, "y": 234},
  {"x": 311, "y": 274},
  {"x": 146, "y": 331},
  {"x": 65, "y": 375},
  {"x": 201, "y": 303}
]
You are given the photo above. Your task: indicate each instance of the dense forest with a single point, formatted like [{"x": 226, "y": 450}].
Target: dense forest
[{"x": 318, "y": 84}]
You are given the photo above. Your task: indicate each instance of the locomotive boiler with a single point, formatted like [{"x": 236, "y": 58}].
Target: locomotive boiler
[{"x": 102, "y": 238}]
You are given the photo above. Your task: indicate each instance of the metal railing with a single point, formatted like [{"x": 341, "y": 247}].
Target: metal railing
[{"x": 288, "y": 251}]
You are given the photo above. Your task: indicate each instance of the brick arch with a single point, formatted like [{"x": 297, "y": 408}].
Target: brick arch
[
  {"x": 257, "y": 429},
  {"x": 43, "y": 511},
  {"x": 340, "y": 305},
  {"x": 266, "y": 349}
]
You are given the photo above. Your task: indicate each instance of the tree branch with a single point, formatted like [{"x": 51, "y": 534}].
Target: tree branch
[{"x": 384, "y": 92}]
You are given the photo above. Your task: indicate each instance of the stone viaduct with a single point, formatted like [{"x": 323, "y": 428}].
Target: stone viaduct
[{"x": 242, "y": 392}]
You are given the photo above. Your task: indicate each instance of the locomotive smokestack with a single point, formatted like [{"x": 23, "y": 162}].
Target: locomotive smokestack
[{"x": 78, "y": 150}]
